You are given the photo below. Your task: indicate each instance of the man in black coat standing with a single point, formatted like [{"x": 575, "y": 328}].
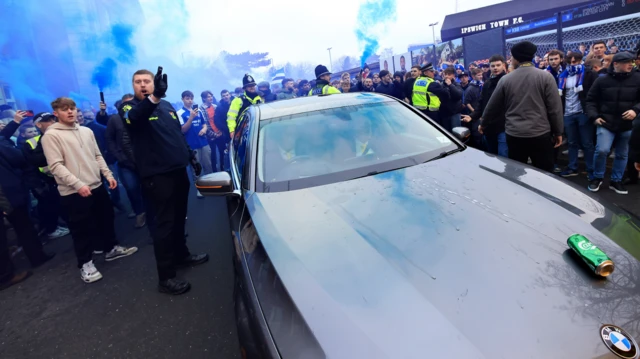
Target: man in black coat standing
[
  {"x": 613, "y": 103},
  {"x": 451, "y": 109},
  {"x": 162, "y": 156},
  {"x": 495, "y": 138}
]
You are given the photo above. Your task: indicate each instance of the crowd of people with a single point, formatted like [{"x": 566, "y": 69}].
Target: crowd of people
[{"x": 71, "y": 162}]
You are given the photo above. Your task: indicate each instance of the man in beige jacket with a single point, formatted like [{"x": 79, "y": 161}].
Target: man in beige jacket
[{"x": 76, "y": 163}]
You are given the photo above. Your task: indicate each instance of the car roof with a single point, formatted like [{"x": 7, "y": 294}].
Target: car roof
[{"x": 317, "y": 103}]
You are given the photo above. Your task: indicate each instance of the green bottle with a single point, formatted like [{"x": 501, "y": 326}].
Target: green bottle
[{"x": 593, "y": 256}]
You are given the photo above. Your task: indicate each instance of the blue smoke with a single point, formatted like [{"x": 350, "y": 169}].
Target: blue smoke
[
  {"x": 105, "y": 74},
  {"x": 121, "y": 35},
  {"x": 373, "y": 17},
  {"x": 49, "y": 49}
]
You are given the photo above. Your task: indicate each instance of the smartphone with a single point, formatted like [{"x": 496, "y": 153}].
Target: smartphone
[
  {"x": 101, "y": 96},
  {"x": 29, "y": 113},
  {"x": 195, "y": 107}
]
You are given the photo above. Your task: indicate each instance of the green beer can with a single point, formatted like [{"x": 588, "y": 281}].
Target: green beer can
[{"x": 593, "y": 256}]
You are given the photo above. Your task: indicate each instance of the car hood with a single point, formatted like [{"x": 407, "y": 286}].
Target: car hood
[{"x": 451, "y": 258}]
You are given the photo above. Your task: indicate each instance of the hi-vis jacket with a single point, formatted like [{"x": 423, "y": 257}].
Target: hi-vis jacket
[
  {"x": 238, "y": 106},
  {"x": 422, "y": 98}
]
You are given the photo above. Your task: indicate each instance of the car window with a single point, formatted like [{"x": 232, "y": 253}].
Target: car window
[
  {"x": 240, "y": 143},
  {"x": 343, "y": 143}
]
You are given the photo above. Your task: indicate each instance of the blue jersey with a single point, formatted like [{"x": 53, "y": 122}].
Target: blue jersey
[{"x": 193, "y": 140}]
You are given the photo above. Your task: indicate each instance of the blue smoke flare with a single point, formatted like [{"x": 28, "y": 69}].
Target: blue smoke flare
[
  {"x": 105, "y": 74},
  {"x": 373, "y": 17},
  {"x": 121, "y": 34}
]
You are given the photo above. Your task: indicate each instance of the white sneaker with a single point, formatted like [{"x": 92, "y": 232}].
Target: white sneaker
[
  {"x": 119, "y": 252},
  {"x": 59, "y": 232},
  {"x": 89, "y": 273}
]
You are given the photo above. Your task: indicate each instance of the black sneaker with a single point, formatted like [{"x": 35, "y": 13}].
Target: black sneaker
[
  {"x": 595, "y": 184},
  {"x": 174, "y": 286},
  {"x": 618, "y": 187}
]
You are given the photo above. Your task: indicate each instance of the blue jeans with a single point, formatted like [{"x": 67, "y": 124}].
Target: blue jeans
[
  {"x": 497, "y": 144},
  {"x": 131, "y": 182},
  {"x": 579, "y": 131},
  {"x": 605, "y": 139},
  {"x": 456, "y": 120}
]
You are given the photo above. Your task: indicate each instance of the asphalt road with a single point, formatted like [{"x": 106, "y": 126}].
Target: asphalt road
[{"x": 55, "y": 315}]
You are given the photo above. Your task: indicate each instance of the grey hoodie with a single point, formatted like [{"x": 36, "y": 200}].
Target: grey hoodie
[{"x": 74, "y": 158}]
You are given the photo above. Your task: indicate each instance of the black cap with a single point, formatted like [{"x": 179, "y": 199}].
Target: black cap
[
  {"x": 427, "y": 67},
  {"x": 248, "y": 80},
  {"x": 463, "y": 74},
  {"x": 623, "y": 57},
  {"x": 43, "y": 117},
  {"x": 524, "y": 51},
  {"x": 321, "y": 71}
]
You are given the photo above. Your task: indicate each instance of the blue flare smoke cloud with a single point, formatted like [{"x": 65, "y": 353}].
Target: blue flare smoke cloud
[{"x": 373, "y": 18}]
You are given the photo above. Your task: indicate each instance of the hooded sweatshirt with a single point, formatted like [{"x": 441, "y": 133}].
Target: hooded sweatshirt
[{"x": 74, "y": 158}]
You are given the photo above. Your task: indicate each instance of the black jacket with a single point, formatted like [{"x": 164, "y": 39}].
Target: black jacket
[
  {"x": 99, "y": 132},
  {"x": 634, "y": 142},
  {"x": 407, "y": 87},
  {"x": 102, "y": 118},
  {"x": 472, "y": 96},
  {"x": 118, "y": 142},
  {"x": 454, "y": 104},
  {"x": 220, "y": 117},
  {"x": 391, "y": 89},
  {"x": 155, "y": 132},
  {"x": 12, "y": 165},
  {"x": 611, "y": 96},
  {"x": 439, "y": 90},
  {"x": 487, "y": 90},
  {"x": 268, "y": 96}
]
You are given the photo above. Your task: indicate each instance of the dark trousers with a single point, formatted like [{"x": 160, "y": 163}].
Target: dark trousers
[
  {"x": 114, "y": 194},
  {"x": 48, "y": 209},
  {"x": 539, "y": 149},
  {"x": 27, "y": 239},
  {"x": 131, "y": 183},
  {"x": 168, "y": 195},
  {"x": 217, "y": 153},
  {"x": 90, "y": 222}
]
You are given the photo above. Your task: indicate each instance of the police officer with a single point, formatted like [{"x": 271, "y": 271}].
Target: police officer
[
  {"x": 323, "y": 77},
  {"x": 162, "y": 156},
  {"x": 429, "y": 94},
  {"x": 242, "y": 102}
]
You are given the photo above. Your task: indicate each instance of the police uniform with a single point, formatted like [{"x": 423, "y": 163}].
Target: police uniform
[
  {"x": 241, "y": 103},
  {"x": 322, "y": 86},
  {"x": 162, "y": 156},
  {"x": 41, "y": 181},
  {"x": 426, "y": 94}
]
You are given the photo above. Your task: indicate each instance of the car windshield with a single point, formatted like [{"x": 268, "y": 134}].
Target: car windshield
[{"x": 340, "y": 144}]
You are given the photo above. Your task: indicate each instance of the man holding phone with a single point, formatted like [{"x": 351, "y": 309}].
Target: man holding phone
[
  {"x": 194, "y": 129},
  {"x": 162, "y": 156}
]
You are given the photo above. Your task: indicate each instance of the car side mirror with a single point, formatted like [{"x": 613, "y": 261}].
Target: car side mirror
[
  {"x": 461, "y": 133},
  {"x": 215, "y": 184}
]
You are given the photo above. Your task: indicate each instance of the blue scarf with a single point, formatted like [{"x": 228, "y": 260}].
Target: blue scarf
[
  {"x": 477, "y": 83},
  {"x": 573, "y": 70}
]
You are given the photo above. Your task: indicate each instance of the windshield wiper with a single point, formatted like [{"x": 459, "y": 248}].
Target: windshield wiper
[{"x": 444, "y": 154}]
